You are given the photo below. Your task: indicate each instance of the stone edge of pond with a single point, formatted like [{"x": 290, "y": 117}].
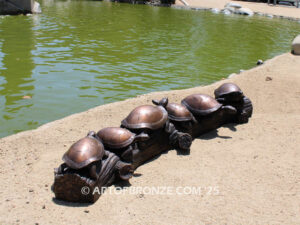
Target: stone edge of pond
[{"x": 256, "y": 13}]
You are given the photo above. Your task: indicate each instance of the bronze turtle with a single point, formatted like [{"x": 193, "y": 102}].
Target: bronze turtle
[
  {"x": 201, "y": 104},
  {"x": 146, "y": 117},
  {"x": 116, "y": 137},
  {"x": 209, "y": 113},
  {"x": 78, "y": 185},
  {"x": 121, "y": 141},
  {"x": 178, "y": 114},
  {"x": 153, "y": 121},
  {"x": 179, "y": 123},
  {"x": 84, "y": 153},
  {"x": 228, "y": 92}
]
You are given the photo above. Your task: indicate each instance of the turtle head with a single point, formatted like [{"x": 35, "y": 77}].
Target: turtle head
[
  {"x": 141, "y": 137},
  {"x": 229, "y": 109},
  {"x": 163, "y": 102},
  {"x": 92, "y": 134}
]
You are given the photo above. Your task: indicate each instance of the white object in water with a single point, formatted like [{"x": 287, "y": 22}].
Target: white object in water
[
  {"x": 36, "y": 8},
  {"x": 296, "y": 46},
  {"x": 245, "y": 11},
  {"x": 215, "y": 10},
  {"x": 230, "y": 9},
  {"x": 233, "y": 5},
  {"x": 226, "y": 12}
]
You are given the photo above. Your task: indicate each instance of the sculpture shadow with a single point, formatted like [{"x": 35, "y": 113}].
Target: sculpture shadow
[
  {"x": 70, "y": 204},
  {"x": 214, "y": 133},
  {"x": 183, "y": 152},
  {"x": 178, "y": 152},
  {"x": 121, "y": 184},
  {"x": 231, "y": 126},
  {"x": 137, "y": 175},
  {"x": 154, "y": 157}
]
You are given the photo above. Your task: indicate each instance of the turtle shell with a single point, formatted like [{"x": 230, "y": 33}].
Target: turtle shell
[
  {"x": 201, "y": 104},
  {"x": 84, "y": 152},
  {"x": 178, "y": 112},
  {"x": 115, "y": 137},
  {"x": 146, "y": 116},
  {"x": 228, "y": 89}
]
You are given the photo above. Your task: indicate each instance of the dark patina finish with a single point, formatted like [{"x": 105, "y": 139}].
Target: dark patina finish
[
  {"x": 153, "y": 121},
  {"x": 178, "y": 115},
  {"x": 116, "y": 137},
  {"x": 230, "y": 94},
  {"x": 146, "y": 116},
  {"x": 201, "y": 104},
  {"x": 208, "y": 112},
  {"x": 122, "y": 142},
  {"x": 151, "y": 131},
  {"x": 229, "y": 91},
  {"x": 178, "y": 112},
  {"x": 78, "y": 185},
  {"x": 245, "y": 110},
  {"x": 84, "y": 152}
]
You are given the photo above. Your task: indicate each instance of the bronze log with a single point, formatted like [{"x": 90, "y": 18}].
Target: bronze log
[{"x": 78, "y": 186}]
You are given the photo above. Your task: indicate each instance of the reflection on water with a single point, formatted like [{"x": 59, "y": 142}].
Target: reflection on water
[
  {"x": 80, "y": 54},
  {"x": 16, "y": 71}
]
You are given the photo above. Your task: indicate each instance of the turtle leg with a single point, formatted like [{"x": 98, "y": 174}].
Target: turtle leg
[
  {"x": 127, "y": 154},
  {"x": 94, "y": 169},
  {"x": 93, "y": 172},
  {"x": 184, "y": 141},
  {"x": 177, "y": 139},
  {"x": 124, "y": 170},
  {"x": 246, "y": 111}
]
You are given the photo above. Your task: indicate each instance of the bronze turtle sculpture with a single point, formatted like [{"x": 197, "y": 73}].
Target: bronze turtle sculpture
[
  {"x": 228, "y": 92},
  {"x": 202, "y": 105},
  {"x": 88, "y": 166},
  {"x": 208, "y": 112},
  {"x": 151, "y": 118},
  {"x": 231, "y": 94},
  {"x": 116, "y": 137},
  {"x": 146, "y": 132},
  {"x": 87, "y": 154},
  {"x": 153, "y": 121},
  {"x": 146, "y": 117},
  {"x": 84, "y": 153},
  {"x": 178, "y": 114},
  {"x": 120, "y": 141}
]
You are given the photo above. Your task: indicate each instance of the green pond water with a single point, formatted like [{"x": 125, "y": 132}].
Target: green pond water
[{"x": 81, "y": 54}]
